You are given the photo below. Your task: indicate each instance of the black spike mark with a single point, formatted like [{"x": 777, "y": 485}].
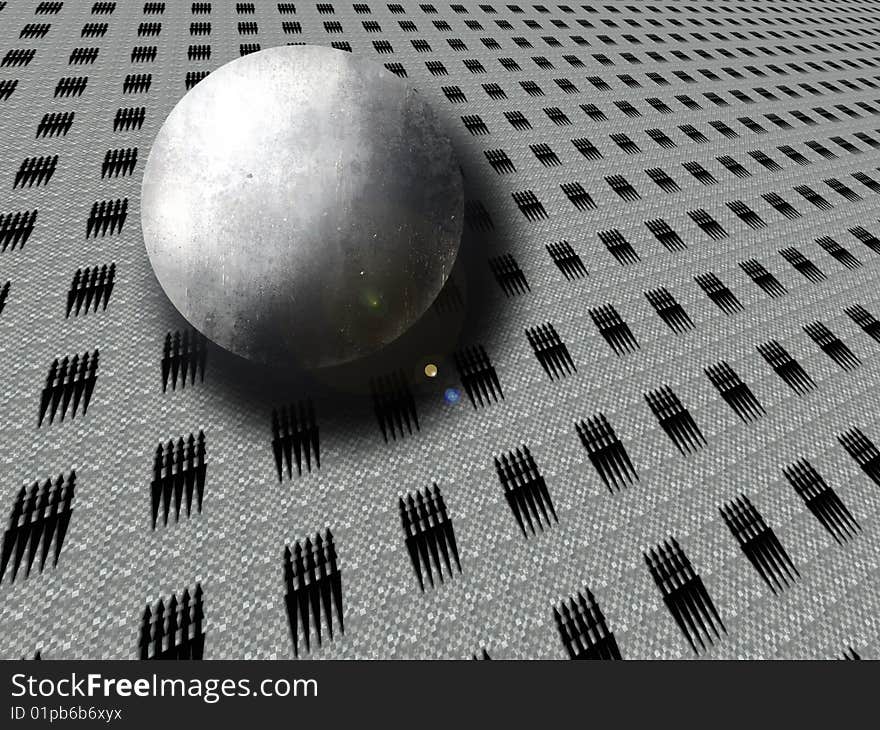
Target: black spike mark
[
  {"x": 149, "y": 29},
  {"x": 838, "y": 252},
  {"x": 606, "y": 452},
  {"x": 478, "y": 376},
  {"x": 119, "y": 162},
  {"x": 40, "y": 518},
  {"x": 529, "y": 205},
  {"x": 295, "y": 438},
  {"x": 863, "y": 451},
  {"x": 509, "y": 275},
  {"x": 575, "y": 192},
  {"x": 144, "y": 54},
  {"x": 80, "y": 56},
  {"x": 567, "y": 260},
  {"x": 822, "y": 501},
  {"x": 584, "y": 630},
  {"x": 802, "y": 264},
  {"x": 684, "y": 594},
  {"x": 484, "y": 656},
  {"x": 670, "y": 311},
  {"x": 786, "y": 367},
  {"x": 394, "y": 405},
  {"x": 735, "y": 392},
  {"x": 91, "y": 288},
  {"x": 55, "y": 124},
  {"x": 4, "y": 295},
  {"x": 178, "y": 475},
  {"x": 864, "y": 319},
  {"x": 7, "y": 88},
  {"x": 16, "y": 229},
  {"x": 759, "y": 543},
  {"x": 184, "y": 357},
  {"x": 35, "y": 171},
  {"x": 675, "y": 419},
  {"x": 129, "y": 118},
  {"x": 176, "y": 632},
  {"x": 615, "y": 331},
  {"x": 313, "y": 583},
  {"x": 708, "y": 224},
  {"x": 525, "y": 490},
  {"x": 719, "y": 293},
  {"x": 193, "y": 77},
  {"x": 428, "y": 535},
  {"x": 94, "y": 30},
  {"x": 137, "y": 83},
  {"x": 864, "y": 236},
  {"x": 18, "y": 57},
  {"x": 107, "y": 217},
  {"x": 69, "y": 382},
  {"x": 832, "y": 346},
  {"x": 550, "y": 351},
  {"x": 71, "y": 86},
  {"x": 619, "y": 247},
  {"x": 763, "y": 278},
  {"x": 499, "y": 161},
  {"x": 477, "y": 217},
  {"x": 850, "y": 654}
]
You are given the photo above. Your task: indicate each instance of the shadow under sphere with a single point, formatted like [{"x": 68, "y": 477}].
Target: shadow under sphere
[{"x": 302, "y": 207}]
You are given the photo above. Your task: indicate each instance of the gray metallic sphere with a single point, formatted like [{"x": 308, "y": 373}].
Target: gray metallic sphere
[{"x": 302, "y": 206}]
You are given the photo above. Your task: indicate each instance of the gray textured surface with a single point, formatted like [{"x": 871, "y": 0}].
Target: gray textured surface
[{"x": 113, "y": 563}]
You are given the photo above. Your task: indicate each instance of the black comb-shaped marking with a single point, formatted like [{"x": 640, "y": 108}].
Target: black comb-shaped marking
[
  {"x": 567, "y": 260},
  {"x": 525, "y": 490},
  {"x": 69, "y": 382},
  {"x": 394, "y": 405},
  {"x": 509, "y": 275},
  {"x": 606, "y": 452},
  {"x": 40, "y": 518},
  {"x": 313, "y": 583},
  {"x": 675, "y": 419},
  {"x": 832, "y": 346},
  {"x": 763, "y": 278},
  {"x": 864, "y": 319},
  {"x": 174, "y": 630},
  {"x": 670, "y": 310},
  {"x": 295, "y": 438},
  {"x": 759, "y": 543},
  {"x": 735, "y": 392},
  {"x": 16, "y": 229},
  {"x": 428, "y": 534},
  {"x": 615, "y": 331},
  {"x": 863, "y": 451},
  {"x": 179, "y": 472},
  {"x": 822, "y": 501},
  {"x": 550, "y": 351},
  {"x": 91, "y": 288},
  {"x": 684, "y": 594},
  {"x": 184, "y": 357},
  {"x": 719, "y": 293},
  {"x": 786, "y": 367},
  {"x": 478, "y": 376},
  {"x": 583, "y": 628}
]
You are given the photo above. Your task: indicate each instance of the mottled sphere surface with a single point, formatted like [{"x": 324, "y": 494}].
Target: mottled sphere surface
[{"x": 302, "y": 206}]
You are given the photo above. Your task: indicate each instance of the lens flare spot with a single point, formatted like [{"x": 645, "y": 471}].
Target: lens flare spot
[
  {"x": 452, "y": 395},
  {"x": 431, "y": 370}
]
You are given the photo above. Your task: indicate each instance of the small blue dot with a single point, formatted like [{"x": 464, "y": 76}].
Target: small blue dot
[{"x": 452, "y": 395}]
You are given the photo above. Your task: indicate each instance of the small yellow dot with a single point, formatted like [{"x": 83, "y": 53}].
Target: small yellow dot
[{"x": 431, "y": 370}]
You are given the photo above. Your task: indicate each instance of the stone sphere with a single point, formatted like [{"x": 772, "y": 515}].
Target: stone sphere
[{"x": 302, "y": 206}]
